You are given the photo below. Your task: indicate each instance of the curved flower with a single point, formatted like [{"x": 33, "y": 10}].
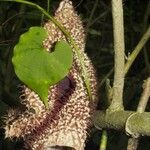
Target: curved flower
[{"x": 66, "y": 121}]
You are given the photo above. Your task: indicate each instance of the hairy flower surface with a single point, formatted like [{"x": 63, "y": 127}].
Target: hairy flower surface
[{"x": 66, "y": 121}]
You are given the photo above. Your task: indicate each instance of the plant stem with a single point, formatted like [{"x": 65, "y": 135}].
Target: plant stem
[
  {"x": 145, "y": 49},
  {"x": 133, "y": 55},
  {"x": 106, "y": 77},
  {"x": 69, "y": 38},
  {"x": 119, "y": 48},
  {"x": 133, "y": 142},
  {"x": 144, "y": 97},
  {"x": 91, "y": 15},
  {"x": 99, "y": 17},
  {"x": 48, "y": 5},
  {"x": 137, "y": 50},
  {"x": 104, "y": 138},
  {"x": 139, "y": 122}
]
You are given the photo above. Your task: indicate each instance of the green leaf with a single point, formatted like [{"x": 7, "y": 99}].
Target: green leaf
[{"x": 36, "y": 67}]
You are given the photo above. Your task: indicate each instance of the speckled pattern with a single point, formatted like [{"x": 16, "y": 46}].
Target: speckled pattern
[{"x": 66, "y": 121}]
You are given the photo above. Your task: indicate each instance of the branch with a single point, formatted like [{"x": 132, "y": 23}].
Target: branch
[
  {"x": 91, "y": 15},
  {"x": 117, "y": 14},
  {"x": 145, "y": 24},
  {"x": 137, "y": 50},
  {"x": 133, "y": 142},
  {"x": 133, "y": 55},
  {"x": 134, "y": 123},
  {"x": 145, "y": 96},
  {"x": 139, "y": 122},
  {"x": 104, "y": 140}
]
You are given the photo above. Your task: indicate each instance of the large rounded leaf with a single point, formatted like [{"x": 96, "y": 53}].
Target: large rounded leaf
[{"x": 36, "y": 67}]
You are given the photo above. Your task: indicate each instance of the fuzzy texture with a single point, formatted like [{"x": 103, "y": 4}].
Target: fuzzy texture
[{"x": 66, "y": 121}]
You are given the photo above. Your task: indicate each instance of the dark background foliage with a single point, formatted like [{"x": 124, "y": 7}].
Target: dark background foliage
[{"x": 17, "y": 18}]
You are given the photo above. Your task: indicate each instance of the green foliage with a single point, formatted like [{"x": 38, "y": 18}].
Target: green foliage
[
  {"x": 38, "y": 68},
  {"x": 17, "y": 18}
]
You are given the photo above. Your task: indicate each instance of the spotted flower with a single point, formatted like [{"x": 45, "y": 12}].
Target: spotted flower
[{"x": 66, "y": 122}]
